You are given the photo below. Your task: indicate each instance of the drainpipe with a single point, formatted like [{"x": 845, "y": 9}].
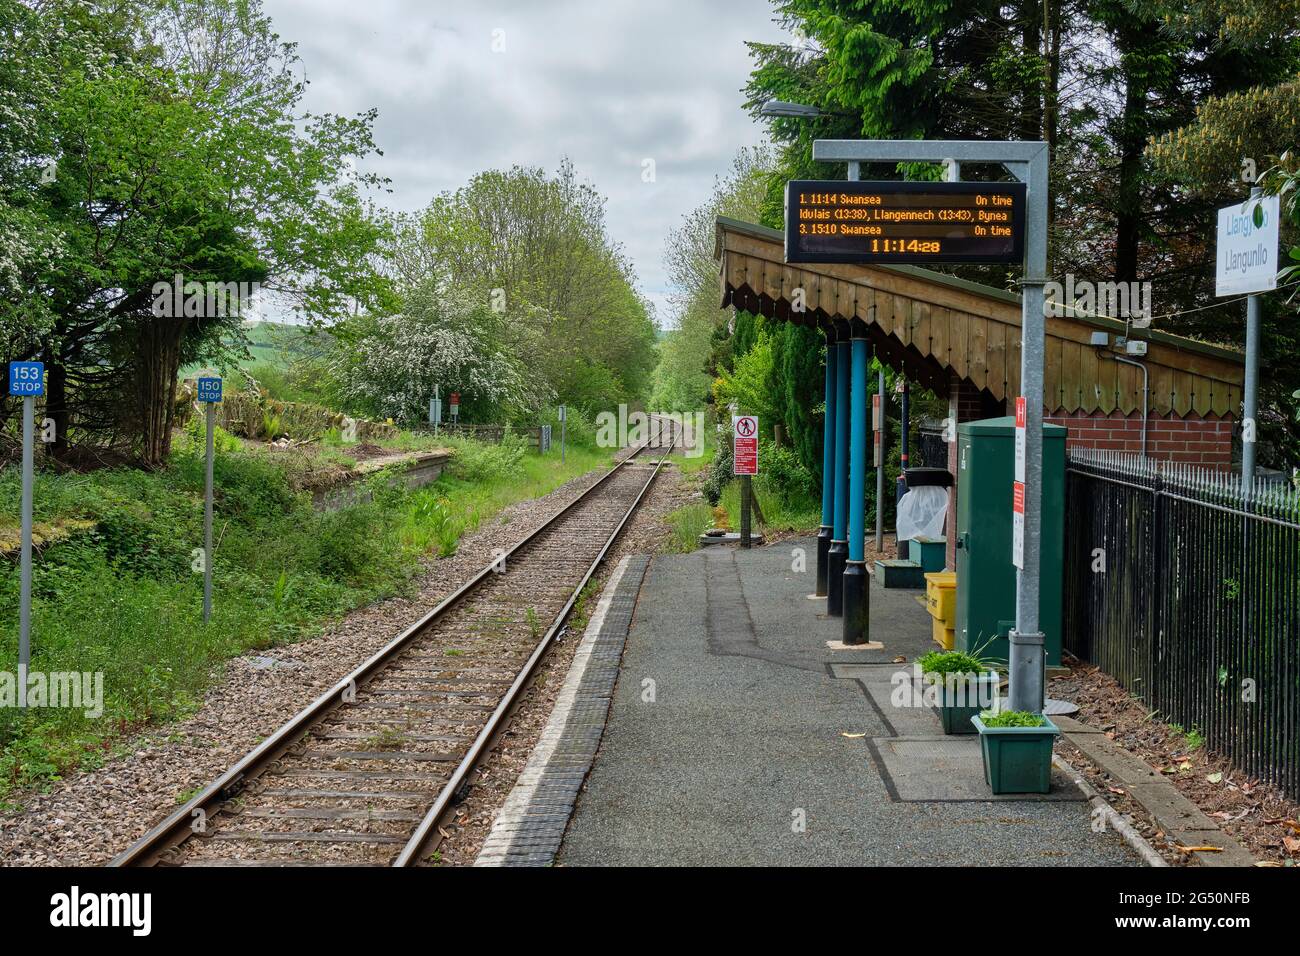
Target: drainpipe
[{"x": 1146, "y": 391}]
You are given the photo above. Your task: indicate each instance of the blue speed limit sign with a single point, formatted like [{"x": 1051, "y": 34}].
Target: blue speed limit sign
[
  {"x": 26, "y": 378},
  {"x": 209, "y": 390}
]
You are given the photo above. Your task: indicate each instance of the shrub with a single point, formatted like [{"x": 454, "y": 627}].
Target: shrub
[
  {"x": 482, "y": 462},
  {"x": 719, "y": 475},
  {"x": 786, "y": 476},
  {"x": 194, "y": 438},
  {"x": 348, "y": 548}
]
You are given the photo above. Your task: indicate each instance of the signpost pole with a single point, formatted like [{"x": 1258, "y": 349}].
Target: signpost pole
[
  {"x": 1250, "y": 392},
  {"x": 209, "y": 393},
  {"x": 25, "y": 593},
  {"x": 744, "y": 464},
  {"x": 1246, "y": 261},
  {"x": 1027, "y": 673},
  {"x": 26, "y": 380},
  {"x": 880, "y": 465},
  {"x": 746, "y": 499},
  {"x": 1028, "y": 162},
  {"x": 211, "y": 414},
  {"x": 564, "y": 425}
]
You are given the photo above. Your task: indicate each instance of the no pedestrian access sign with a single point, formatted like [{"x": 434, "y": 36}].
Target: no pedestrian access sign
[{"x": 744, "y": 447}]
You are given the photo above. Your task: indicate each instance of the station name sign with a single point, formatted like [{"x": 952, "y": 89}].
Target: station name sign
[{"x": 903, "y": 222}]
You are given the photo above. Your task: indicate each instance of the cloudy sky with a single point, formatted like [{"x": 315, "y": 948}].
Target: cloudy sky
[{"x": 467, "y": 85}]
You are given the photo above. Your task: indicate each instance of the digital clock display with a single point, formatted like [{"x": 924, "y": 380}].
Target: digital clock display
[{"x": 897, "y": 222}]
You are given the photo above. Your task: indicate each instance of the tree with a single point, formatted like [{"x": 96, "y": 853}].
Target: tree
[
  {"x": 699, "y": 343},
  {"x": 171, "y": 144},
  {"x": 1139, "y": 100},
  {"x": 455, "y": 341},
  {"x": 521, "y": 239}
]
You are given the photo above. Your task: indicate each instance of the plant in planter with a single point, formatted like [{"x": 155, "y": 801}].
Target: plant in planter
[
  {"x": 1017, "y": 749},
  {"x": 964, "y": 684}
]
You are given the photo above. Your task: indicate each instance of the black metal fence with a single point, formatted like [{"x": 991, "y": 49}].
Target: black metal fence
[{"x": 1185, "y": 586}]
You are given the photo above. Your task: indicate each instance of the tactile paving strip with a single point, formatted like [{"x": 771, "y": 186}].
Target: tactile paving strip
[{"x": 530, "y": 827}]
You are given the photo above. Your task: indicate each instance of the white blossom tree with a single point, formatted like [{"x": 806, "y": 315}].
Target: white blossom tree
[{"x": 454, "y": 341}]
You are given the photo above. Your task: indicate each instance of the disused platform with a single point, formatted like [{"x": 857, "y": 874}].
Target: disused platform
[{"x": 736, "y": 735}]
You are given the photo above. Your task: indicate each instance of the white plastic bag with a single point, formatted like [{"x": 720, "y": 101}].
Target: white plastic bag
[{"x": 921, "y": 513}]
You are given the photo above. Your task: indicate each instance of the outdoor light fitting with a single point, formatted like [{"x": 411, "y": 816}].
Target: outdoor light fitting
[{"x": 782, "y": 108}]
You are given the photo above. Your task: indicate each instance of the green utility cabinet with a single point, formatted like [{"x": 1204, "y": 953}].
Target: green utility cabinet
[{"x": 986, "y": 578}]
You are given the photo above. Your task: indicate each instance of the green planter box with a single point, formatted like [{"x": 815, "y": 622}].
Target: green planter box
[
  {"x": 1017, "y": 759},
  {"x": 957, "y": 705}
]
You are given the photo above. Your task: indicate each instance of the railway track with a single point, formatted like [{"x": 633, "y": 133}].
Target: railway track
[{"x": 368, "y": 772}]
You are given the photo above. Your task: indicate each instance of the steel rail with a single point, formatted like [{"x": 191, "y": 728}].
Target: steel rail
[
  {"x": 414, "y": 850},
  {"x": 173, "y": 830}
]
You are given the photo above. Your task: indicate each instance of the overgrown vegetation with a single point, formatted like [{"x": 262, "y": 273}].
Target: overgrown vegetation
[{"x": 120, "y": 595}]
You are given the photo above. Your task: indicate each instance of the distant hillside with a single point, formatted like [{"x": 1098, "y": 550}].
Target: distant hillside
[{"x": 271, "y": 343}]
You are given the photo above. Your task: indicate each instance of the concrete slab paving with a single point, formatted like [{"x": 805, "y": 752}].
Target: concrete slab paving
[{"x": 732, "y": 741}]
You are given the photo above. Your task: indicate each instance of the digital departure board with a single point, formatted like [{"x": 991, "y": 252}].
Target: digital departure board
[{"x": 903, "y": 222}]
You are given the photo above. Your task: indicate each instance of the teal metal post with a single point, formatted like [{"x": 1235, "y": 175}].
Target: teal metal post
[
  {"x": 856, "y": 596},
  {"x": 839, "y": 551},
  {"x": 828, "y": 468}
]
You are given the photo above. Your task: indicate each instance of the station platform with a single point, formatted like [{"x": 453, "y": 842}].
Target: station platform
[{"x": 736, "y": 736}]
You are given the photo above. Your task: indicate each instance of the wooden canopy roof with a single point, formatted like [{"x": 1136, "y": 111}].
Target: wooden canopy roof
[{"x": 931, "y": 326}]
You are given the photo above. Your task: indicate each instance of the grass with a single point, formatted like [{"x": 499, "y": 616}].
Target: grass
[
  {"x": 1012, "y": 718},
  {"x": 951, "y": 662},
  {"x": 797, "y": 513},
  {"x": 779, "y": 514},
  {"x": 117, "y": 594},
  {"x": 482, "y": 480},
  {"x": 687, "y": 524}
]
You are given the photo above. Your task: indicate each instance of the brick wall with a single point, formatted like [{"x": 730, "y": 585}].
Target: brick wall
[{"x": 1201, "y": 441}]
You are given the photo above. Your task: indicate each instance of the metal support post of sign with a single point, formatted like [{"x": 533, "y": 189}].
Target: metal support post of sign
[
  {"x": 26, "y": 380},
  {"x": 25, "y": 588},
  {"x": 564, "y": 422},
  {"x": 211, "y": 410},
  {"x": 209, "y": 393},
  {"x": 1250, "y": 392},
  {"x": 880, "y": 467},
  {"x": 746, "y": 504},
  {"x": 1028, "y": 162}
]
